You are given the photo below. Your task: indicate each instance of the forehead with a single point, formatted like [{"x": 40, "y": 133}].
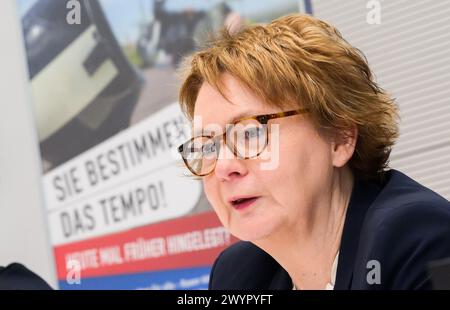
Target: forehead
[{"x": 211, "y": 108}]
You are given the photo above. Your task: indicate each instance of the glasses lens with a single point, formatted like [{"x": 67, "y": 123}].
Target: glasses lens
[
  {"x": 200, "y": 154},
  {"x": 249, "y": 138}
]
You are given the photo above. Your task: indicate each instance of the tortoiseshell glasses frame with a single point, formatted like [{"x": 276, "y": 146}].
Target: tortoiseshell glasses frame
[{"x": 200, "y": 153}]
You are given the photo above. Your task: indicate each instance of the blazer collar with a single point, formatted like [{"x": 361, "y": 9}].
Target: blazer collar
[{"x": 363, "y": 194}]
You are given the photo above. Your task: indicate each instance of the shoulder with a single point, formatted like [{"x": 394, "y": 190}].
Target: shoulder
[
  {"x": 18, "y": 277},
  {"x": 406, "y": 227},
  {"x": 243, "y": 266},
  {"x": 405, "y": 205}
]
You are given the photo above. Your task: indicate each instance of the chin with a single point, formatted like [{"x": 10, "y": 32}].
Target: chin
[{"x": 252, "y": 229}]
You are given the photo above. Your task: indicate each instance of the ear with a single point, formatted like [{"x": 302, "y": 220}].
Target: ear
[{"x": 343, "y": 146}]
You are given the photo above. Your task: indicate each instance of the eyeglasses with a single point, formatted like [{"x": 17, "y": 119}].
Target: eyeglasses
[{"x": 246, "y": 137}]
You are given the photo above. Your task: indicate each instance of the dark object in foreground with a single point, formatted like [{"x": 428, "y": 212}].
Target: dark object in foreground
[
  {"x": 440, "y": 274},
  {"x": 18, "y": 277}
]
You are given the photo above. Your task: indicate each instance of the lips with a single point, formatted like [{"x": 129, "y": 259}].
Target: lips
[{"x": 240, "y": 203}]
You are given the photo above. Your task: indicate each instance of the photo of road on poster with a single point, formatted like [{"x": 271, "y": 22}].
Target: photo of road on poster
[{"x": 104, "y": 90}]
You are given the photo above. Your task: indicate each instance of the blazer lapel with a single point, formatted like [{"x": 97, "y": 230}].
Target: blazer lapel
[
  {"x": 281, "y": 280},
  {"x": 363, "y": 194}
]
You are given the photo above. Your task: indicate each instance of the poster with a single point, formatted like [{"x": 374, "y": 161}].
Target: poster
[{"x": 121, "y": 210}]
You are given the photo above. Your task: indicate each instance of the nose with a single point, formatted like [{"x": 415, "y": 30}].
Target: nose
[{"x": 228, "y": 166}]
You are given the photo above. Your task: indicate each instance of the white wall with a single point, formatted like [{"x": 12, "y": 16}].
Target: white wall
[
  {"x": 409, "y": 52},
  {"x": 23, "y": 229}
]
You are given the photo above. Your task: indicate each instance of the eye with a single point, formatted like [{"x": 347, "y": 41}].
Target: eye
[
  {"x": 209, "y": 148},
  {"x": 251, "y": 133}
]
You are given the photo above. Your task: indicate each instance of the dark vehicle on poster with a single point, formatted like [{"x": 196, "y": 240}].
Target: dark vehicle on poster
[
  {"x": 84, "y": 87},
  {"x": 177, "y": 33}
]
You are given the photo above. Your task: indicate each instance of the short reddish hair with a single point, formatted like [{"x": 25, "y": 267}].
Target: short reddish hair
[{"x": 306, "y": 61}]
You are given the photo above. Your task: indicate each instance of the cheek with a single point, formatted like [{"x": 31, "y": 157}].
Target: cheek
[
  {"x": 304, "y": 166},
  {"x": 306, "y": 149},
  {"x": 212, "y": 192}
]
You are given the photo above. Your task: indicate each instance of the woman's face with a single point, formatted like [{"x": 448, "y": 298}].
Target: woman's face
[{"x": 284, "y": 195}]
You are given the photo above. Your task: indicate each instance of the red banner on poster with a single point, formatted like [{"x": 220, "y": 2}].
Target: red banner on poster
[{"x": 184, "y": 242}]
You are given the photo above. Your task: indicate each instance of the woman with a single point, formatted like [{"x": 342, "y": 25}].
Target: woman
[{"x": 292, "y": 137}]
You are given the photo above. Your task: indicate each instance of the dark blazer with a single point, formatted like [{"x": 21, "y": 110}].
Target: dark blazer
[
  {"x": 18, "y": 277},
  {"x": 399, "y": 223}
]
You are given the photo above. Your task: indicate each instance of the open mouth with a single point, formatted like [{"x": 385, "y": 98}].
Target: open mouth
[{"x": 242, "y": 203}]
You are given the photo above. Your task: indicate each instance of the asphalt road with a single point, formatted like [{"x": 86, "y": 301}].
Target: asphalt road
[{"x": 160, "y": 89}]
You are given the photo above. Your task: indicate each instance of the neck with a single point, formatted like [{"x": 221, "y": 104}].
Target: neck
[{"x": 307, "y": 248}]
